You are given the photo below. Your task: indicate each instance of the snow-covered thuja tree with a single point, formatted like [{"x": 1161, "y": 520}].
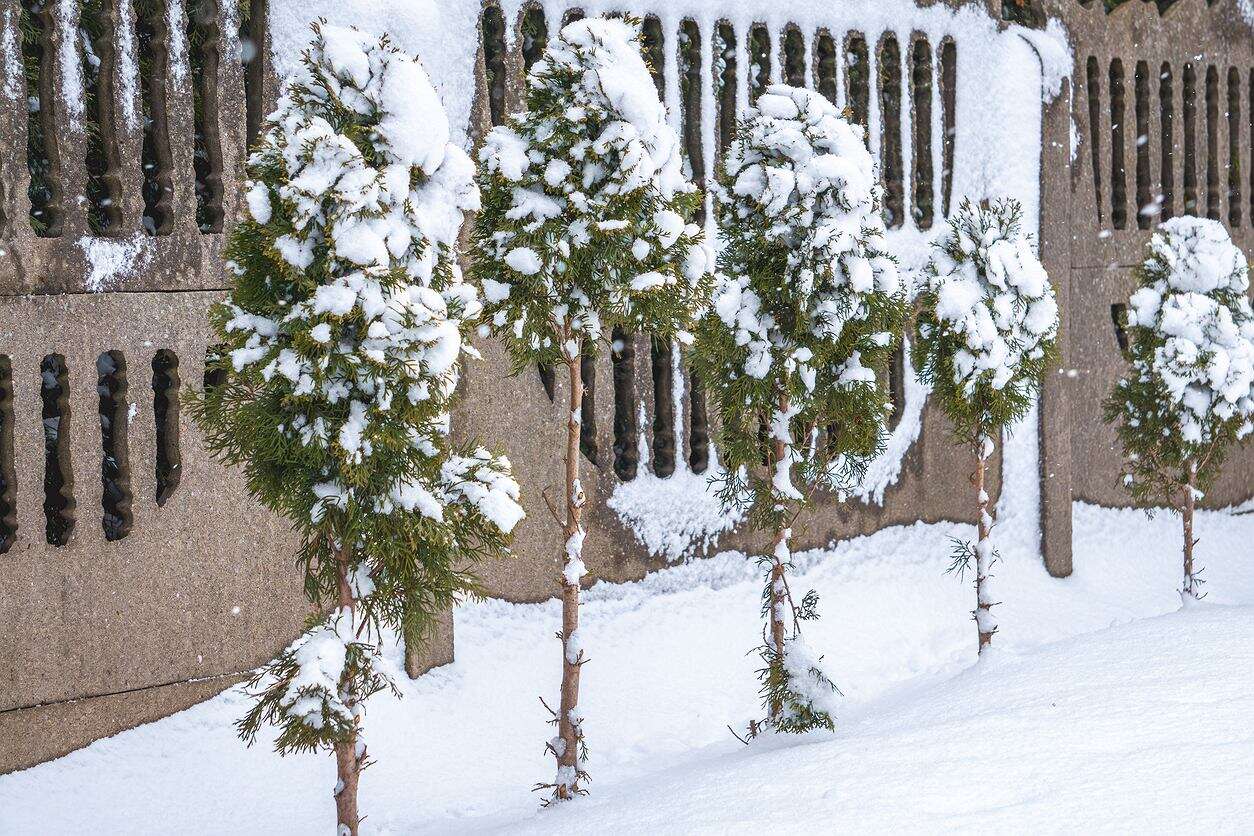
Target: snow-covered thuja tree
[
  {"x": 584, "y": 228},
  {"x": 343, "y": 337},
  {"x": 807, "y": 306},
  {"x": 985, "y": 332},
  {"x": 1189, "y": 395}
]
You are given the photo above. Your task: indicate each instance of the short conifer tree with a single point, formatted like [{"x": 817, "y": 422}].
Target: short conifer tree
[
  {"x": 342, "y": 340},
  {"x": 808, "y": 304},
  {"x": 1189, "y": 394},
  {"x": 985, "y": 333},
  {"x": 585, "y": 228}
]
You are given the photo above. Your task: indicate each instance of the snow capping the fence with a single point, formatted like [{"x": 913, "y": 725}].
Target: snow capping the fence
[{"x": 1003, "y": 77}]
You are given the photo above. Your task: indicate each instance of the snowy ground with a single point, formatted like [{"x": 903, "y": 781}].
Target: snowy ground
[{"x": 1105, "y": 710}]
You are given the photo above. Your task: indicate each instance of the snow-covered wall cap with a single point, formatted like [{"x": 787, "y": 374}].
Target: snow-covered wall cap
[{"x": 1053, "y": 47}]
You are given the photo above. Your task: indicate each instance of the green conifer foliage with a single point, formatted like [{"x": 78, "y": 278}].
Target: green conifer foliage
[
  {"x": 984, "y": 336},
  {"x": 585, "y": 228},
  {"x": 808, "y": 304},
  {"x": 1189, "y": 394},
  {"x": 343, "y": 338}
]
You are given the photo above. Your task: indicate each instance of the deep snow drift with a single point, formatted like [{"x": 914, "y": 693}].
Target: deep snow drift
[{"x": 1105, "y": 708}]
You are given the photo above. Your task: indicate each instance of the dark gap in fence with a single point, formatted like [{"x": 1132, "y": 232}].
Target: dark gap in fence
[
  {"x": 626, "y": 443},
  {"x": 725, "y": 81},
  {"x": 1189, "y": 113},
  {"x": 921, "y": 90},
  {"x": 1146, "y": 206},
  {"x": 493, "y": 23},
  {"x": 1093, "y": 90},
  {"x": 690, "y": 105},
  {"x": 890, "y": 137},
  {"x": 43, "y": 155},
  {"x": 165, "y": 411},
  {"x": 8, "y": 476},
  {"x": 1212, "y": 143},
  {"x": 1119, "y": 316},
  {"x": 897, "y": 385},
  {"x": 652, "y": 47},
  {"x": 825, "y": 65},
  {"x": 1024, "y": 12},
  {"x": 96, "y": 25},
  {"x": 858, "y": 82},
  {"x": 54, "y": 393},
  {"x": 794, "y": 57},
  {"x": 663, "y": 409},
  {"x": 1118, "y": 172},
  {"x": 535, "y": 36},
  {"x": 215, "y": 372},
  {"x": 699, "y": 424},
  {"x": 115, "y": 472},
  {"x": 759, "y": 60},
  {"x": 252, "y": 39},
  {"x": 1167, "y": 119},
  {"x": 949, "y": 118},
  {"x": 1234, "y": 148},
  {"x": 153, "y": 48},
  {"x": 588, "y": 406},
  {"x": 204, "y": 43}
]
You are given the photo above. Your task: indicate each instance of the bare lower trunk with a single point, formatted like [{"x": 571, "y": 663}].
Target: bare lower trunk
[
  {"x": 347, "y": 759},
  {"x": 778, "y": 603},
  {"x": 986, "y": 622},
  {"x": 1189, "y": 593},
  {"x": 569, "y": 730},
  {"x": 779, "y": 554}
]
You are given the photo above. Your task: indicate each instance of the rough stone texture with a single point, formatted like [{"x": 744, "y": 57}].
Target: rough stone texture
[{"x": 115, "y": 634}]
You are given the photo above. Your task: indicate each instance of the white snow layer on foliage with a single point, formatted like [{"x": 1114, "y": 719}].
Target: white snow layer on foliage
[
  {"x": 1206, "y": 361},
  {"x": 405, "y": 212},
  {"x": 1002, "y": 77},
  {"x": 805, "y": 175},
  {"x": 993, "y": 291},
  {"x": 313, "y": 693},
  {"x": 635, "y": 150}
]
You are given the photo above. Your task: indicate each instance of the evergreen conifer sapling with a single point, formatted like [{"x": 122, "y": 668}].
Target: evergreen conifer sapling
[
  {"x": 584, "y": 228},
  {"x": 342, "y": 343},
  {"x": 1189, "y": 394},
  {"x": 807, "y": 305},
  {"x": 986, "y": 328}
]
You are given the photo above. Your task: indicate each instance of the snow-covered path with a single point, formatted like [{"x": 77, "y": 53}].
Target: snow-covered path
[{"x": 1108, "y": 709}]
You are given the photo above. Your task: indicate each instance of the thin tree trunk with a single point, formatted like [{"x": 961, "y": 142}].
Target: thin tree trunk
[
  {"x": 778, "y": 602},
  {"x": 986, "y": 622},
  {"x": 569, "y": 729},
  {"x": 779, "y": 556},
  {"x": 347, "y": 760},
  {"x": 1189, "y": 594}
]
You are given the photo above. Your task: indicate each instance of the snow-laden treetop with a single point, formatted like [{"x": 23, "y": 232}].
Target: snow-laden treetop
[
  {"x": 585, "y": 201},
  {"x": 1198, "y": 338},
  {"x": 807, "y": 300},
  {"x": 802, "y": 192},
  {"x": 989, "y": 316},
  {"x": 350, "y": 313}
]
